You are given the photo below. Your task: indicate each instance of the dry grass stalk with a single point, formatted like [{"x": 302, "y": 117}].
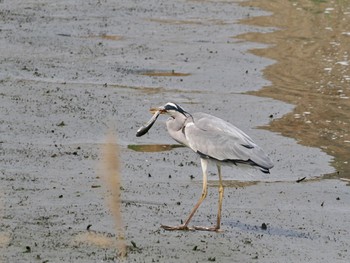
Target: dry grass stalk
[
  {"x": 4, "y": 240},
  {"x": 112, "y": 178}
]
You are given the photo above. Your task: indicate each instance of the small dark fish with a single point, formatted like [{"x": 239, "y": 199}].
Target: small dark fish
[{"x": 145, "y": 128}]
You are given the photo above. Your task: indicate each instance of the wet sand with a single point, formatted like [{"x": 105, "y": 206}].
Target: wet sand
[{"x": 72, "y": 70}]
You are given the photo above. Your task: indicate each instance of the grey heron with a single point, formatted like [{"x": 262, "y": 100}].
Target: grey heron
[{"x": 214, "y": 140}]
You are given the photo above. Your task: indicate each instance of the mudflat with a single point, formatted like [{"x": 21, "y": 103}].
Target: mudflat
[{"x": 73, "y": 70}]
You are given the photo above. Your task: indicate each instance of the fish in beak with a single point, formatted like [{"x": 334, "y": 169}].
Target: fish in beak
[{"x": 146, "y": 127}]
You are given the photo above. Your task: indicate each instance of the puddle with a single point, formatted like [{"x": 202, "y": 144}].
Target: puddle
[
  {"x": 103, "y": 36},
  {"x": 312, "y": 56},
  {"x": 164, "y": 74},
  {"x": 176, "y": 22},
  {"x": 111, "y": 37},
  {"x": 107, "y": 37},
  {"x": 153, "y": 147},
  {"x": 192, "y": 21},
  {"x": 271, "y": 230},
  {"x": 231, "y": 183}
]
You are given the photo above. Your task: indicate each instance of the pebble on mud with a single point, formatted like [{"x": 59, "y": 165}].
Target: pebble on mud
[
  {"x": 300, "y": 180},
  {"x": 133, "y": 244},
  {"x": 61, "y": 124}
]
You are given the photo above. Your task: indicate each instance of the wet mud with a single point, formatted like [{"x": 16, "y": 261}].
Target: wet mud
[{"x": 71, "y": 71}]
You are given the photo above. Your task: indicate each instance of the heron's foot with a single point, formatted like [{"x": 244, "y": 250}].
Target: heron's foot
[
  {"x": 187, "y": 228},
  {"x": 180, "y": 227},
  {"x": 204, "y": 228}
]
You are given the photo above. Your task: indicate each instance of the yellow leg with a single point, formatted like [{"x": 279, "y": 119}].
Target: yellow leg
[
  {"x": 204, "y": 191},
  {"x": 221, "y": 195},
  {"x": 184, "y": 226}
]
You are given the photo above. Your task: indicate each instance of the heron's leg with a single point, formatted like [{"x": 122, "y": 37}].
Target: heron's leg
[
  {"x": 184, "y": 226},
  {"x": 204, "y": 190},
  {"x": 221, "y": 194}
]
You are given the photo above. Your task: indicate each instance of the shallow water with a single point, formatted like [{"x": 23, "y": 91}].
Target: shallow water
[
  {"x": 153, "y": 147},
  {"x": 311, "y": 49}
]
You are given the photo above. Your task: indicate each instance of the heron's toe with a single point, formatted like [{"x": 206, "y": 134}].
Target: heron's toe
[
  {"x": 204, "y": 228},
  {"x": 180, "y": 227}
]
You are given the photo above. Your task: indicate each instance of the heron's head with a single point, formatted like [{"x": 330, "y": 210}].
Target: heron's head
[{"x": 170, "y": 108}]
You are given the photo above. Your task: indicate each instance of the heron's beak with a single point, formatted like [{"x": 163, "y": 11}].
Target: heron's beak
[{"x": 160, "y": 109}]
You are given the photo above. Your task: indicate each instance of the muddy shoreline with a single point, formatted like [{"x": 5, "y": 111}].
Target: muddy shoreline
[{"x": 72, "y": 70}]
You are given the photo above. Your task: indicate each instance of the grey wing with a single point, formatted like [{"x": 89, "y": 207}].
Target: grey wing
[
  {"x": 211, "y": 123},
  {"x": 220, "y": 140}
]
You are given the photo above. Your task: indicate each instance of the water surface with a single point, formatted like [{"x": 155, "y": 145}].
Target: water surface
[{"x": 311, "y": 47}]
